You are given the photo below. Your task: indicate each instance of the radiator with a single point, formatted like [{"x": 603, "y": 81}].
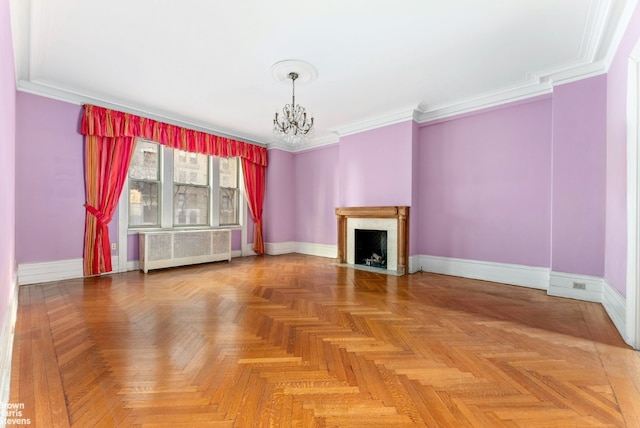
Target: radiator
[{"x": 171, "y": 248}]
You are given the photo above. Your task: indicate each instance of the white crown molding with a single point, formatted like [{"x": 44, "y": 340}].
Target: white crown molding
[
  {"x": 486, "y": 101},
  {"x": 311, "y": 144},
  {"x": 621, "y": 28},
  {"x": 59, "y": 94},
  {"x": 594, "y": 30},
  {"x": 542, "y": 83},
  {"x": 20, "y": 11},
  {"x": 378, "y": 122},
  {"x": 573, "y": 74}
]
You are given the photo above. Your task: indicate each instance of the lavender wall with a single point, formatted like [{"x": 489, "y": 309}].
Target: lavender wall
[
  {"x": 49, "y": 180},
  {"x": 616, "y": 202},
  {"x": 279, "y": 219},
  {"x": 316, "y": 195},
  {"x": 375, "y": 167},
  {"x": 579, "y": 177},
  {"x": 485, "y": 185},
  {"x": 7, "y": 163}
]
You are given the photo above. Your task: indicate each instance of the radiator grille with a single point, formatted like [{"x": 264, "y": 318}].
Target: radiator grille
[
  {"x": 192, "y": 244},
  {"x": 221, "y": 242},
  {"x": 178, "y": 248},
  {"x": 159, "y": 246}
]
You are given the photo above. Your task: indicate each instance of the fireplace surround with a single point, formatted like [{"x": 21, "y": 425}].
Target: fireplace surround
[{"x": 393, "y": 219}]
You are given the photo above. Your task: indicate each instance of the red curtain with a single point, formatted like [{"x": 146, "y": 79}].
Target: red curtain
[
  {"x": 107, "y": 157},
  {"x": 254, "y": 184},
  {"x": 106, "y": 164}
]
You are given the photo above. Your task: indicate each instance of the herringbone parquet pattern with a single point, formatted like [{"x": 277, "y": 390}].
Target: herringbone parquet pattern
[{"x": 297, "y": 341}]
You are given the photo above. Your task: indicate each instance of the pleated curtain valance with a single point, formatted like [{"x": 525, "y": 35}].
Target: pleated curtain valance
[{"x": 103, "y": 122}]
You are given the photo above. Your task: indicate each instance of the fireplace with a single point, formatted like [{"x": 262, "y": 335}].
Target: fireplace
[
  {"x": 393, "y": 221},
  {"x": 371, "y": 248}
]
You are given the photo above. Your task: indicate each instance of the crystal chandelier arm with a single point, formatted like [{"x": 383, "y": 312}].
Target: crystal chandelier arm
[{"x": 293, "y": 125}]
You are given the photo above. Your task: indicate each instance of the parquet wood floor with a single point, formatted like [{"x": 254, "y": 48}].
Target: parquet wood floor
[{"x": 297, "y": 341}]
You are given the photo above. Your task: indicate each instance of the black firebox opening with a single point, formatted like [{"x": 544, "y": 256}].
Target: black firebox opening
[{"x": 371, "y": 248}]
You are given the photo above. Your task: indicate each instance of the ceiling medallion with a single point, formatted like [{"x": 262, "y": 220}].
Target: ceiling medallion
[{"x": 293, "y": 126}]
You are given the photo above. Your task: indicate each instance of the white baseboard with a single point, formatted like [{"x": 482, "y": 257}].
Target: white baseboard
[
  {"x": 320, "y": 250},
  {"x": 34, "y": 273},
  {"x": 414, "y": 264},
  {"x": 277, "y": 248},
  {"x": 524, "y": 276},
  {"x": 6, "y": 342},
  {"x": 616, "y": 306},
  {"x": 247, "y": 250},
  {"x": 562, "y": 285}
]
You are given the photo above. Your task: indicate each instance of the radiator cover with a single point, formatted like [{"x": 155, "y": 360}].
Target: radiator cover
[{"x": 169, "y": 248}]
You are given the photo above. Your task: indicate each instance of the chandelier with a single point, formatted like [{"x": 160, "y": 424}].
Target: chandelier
[{"x": 293, "y": 126}]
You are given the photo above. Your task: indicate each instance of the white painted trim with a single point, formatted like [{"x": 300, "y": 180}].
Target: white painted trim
[
  {"x": 378, "y": 122},
  {"x": 34, "y": 273},
  {"x": 616, "y": 306},
  {"x": 414, "y": 264},
  {"x": 320, "y": 250},
  {"x": 123, "y": 227},
  {"x": 632, "y": 333},
  {"x": 132, "y": 265},
  {"x": 312, "y": 143},
  {"x": 524, "y": 276},
  {"x": 50, "y": 91},
  {"x": 485, "y": 101},
  {"x": 277, "y": 248},
  {"x": 247, "y": 250},
  {"x": 623, "y": 23},
  {"x": 6, "y": 343},
  {"x": 561, "y": 285}
]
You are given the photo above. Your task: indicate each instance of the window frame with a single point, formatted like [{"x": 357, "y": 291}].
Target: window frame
[
  {"x": 237, "y": 195},
  {"x": 166, "y": 186},
  {"x": 158, "y": 180}
]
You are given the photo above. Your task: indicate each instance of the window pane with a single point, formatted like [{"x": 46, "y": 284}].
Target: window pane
[
  {"x": 143, "y": 203},
  {"x": 144, "y": 163},
  {"x": 229, "y": 172},
  {"x": 190, "y": 168},
  {"x": 190, "y": 205},
  {"x": 228, "y": 206}
]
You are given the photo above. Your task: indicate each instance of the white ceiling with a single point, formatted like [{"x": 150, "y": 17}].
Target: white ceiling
[{"x": 207, "y": 64}]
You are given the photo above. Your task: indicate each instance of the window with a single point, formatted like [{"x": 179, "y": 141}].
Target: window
[
  {"x": 144, "y": 185},
  {"x": 173, "y": 188},
  {"x": 229, "y": 191},
  {"x": 191, "y": 195}
]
